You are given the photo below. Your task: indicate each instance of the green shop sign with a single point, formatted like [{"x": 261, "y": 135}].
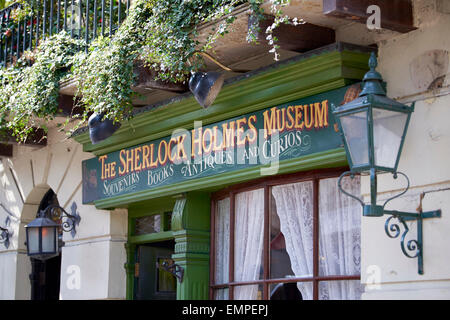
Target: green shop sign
[{"x": 263, "y": 138}]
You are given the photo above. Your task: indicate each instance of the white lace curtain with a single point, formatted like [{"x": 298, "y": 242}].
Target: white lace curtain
[
  {"x": 248, "y": 244},
  {"x": 294, "y": 204},
  {"x": 222, "y": 243},
  {"x": 339, "y": 237},
  {"x": 339, "y": 234}
]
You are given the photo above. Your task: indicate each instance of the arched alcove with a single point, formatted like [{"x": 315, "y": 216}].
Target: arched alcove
[
  {"x": 42, "y": 277},
  {"x": 45, "y": 275}
]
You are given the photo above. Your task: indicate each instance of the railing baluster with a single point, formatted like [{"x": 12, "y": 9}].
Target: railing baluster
[
  {"x": 6, "y": 38},
  {"x": 2, "y": 33},
  {"x": 95, "y": 20},
  {"x": 111, "y": 5},
  {"x": 18, "y": 40},
  {"x": 72, "y": 19},
  {"x": 79, "y": 18},
  {"x": 119, "y": 11},
  {"x": 44, "y": 20},
  {"x": 87, "y": 26},
  {"x": 31, "y": 29},
  {"x": 103, "y": 17},
  {"x": 37, "y": 27},
  {"x": 50, "y": 28},
  {"x": 65, "y": 15},
  {"x": 58, "y": 15},
  {"x": 24, "y": 41},
  {"x": 11, "y": 50}
]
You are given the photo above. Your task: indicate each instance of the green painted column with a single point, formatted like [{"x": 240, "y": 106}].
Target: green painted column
[{"x": 191, "y": 229}]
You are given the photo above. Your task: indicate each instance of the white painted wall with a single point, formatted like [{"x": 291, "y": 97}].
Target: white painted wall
[{"x": 97, "y": 251}]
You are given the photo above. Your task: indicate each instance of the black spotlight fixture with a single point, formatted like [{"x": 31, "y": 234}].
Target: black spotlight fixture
[
  {"x": 101, "y": 129},
  {"x": 206, "y": 85}
]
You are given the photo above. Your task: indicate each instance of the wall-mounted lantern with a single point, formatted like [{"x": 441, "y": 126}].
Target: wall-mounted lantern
[
  {"x": 43, "y": 232},
  {"x": 373, "y": 128}
]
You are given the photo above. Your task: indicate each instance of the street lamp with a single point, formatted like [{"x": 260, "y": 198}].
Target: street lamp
[
  {"x": 373, "y": 128},
  {"x": 43, "y": 232}
]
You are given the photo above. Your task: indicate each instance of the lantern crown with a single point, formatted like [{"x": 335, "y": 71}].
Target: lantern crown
[{"x": 373, "y": 80}]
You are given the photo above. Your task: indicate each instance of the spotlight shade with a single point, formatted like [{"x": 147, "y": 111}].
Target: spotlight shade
[
  {"x": 206, "y": 86},
  {"x": 100, "y": 129}
]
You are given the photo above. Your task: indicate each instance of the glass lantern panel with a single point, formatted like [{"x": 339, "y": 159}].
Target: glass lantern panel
[
  {"x": 354, "y": 127},
  {"x": 388, "y": 128},
  {"x": 33, "y": 240},
  {"x": 48, "y": 239}
]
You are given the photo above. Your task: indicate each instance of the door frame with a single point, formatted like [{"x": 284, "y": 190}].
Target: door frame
[{"x": 153, "y": 207}]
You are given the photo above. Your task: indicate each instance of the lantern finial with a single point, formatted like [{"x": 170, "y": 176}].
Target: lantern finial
[
  {"x": 372, "y": 80},
  {"x": 373, "y": 63}
]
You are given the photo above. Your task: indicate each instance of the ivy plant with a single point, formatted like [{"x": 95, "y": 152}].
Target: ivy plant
[
  {"x": 30, "y": 88},
  {"x": 164, "y": 34}
]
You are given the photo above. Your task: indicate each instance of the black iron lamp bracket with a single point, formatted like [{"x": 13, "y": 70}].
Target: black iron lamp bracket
[
  {"x": 412, "y": 248},
  {"x": 68, "y": 221},
  {"x": 176, "y": 270},
  {"x": 4, "y": 237}
]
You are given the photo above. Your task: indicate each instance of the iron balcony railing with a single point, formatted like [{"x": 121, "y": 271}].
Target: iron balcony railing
[{"x": 22, "y": 28}]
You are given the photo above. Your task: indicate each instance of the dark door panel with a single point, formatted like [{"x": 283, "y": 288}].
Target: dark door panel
[{"x": 154, "y": 283}]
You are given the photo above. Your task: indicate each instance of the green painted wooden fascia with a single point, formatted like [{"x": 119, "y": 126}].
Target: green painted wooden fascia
[
  {"x": 287, "y": 82},
  {"x": 147, "y": 208},
  {"x": 326, "y": 159},
  {"x": 151, "y": 237}
]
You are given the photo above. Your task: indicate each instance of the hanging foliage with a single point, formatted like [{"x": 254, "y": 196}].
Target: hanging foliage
[{"x": 162, "y": 33}]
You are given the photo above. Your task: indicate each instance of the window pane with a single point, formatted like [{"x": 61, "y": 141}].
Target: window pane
[
  {"x": 339, "y": 228},
  {"x": 222, "y": 241},
  {"x": 388, "y": 127},
  {"x": 280, "y": 263},
  {"x": 249, "y": 236},
  {"x": 354, "y": 127},
  {"x": 48, "y": 239},
  {"x": 150, "y": 224},
  {"x": 291, "y": 291},
  {"x": 33, "y": 240},
  {"x": 248, "y": 292},
  {"x": 294, "y": 207},
  {"x": 221, "y": 294},
  {"x": 340, "y": 290}
]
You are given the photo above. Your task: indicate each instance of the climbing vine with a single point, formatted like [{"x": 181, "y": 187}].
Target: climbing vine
[{"x": 163, "y": 34}]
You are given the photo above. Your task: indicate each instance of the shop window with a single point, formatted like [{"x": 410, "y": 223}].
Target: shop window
[
  {"x": 292, "y": 237},
  {"x": 152, "y": 224}
]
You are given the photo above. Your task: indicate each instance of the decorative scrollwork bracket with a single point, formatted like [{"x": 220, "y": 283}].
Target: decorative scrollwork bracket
[
  {"x": 413, "y": 248},
  {"x": 4, "y": 237},
  {"x": 68, "y": 221},
  {"x": 176, "y": 270}
]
